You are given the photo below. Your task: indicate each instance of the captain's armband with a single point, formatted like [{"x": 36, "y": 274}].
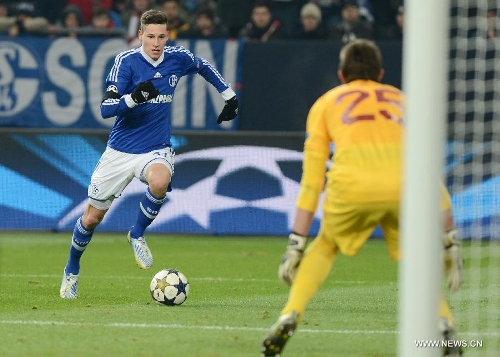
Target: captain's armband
[{"x": 111, "y": 93}]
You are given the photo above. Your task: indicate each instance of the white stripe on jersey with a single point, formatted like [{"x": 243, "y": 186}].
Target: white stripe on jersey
[
  {"x": 111, "y": 101},
  {"x": 216, "y": 72},
  {"x": 113, "y": 74},
  {"x": 173, "y": 49}
]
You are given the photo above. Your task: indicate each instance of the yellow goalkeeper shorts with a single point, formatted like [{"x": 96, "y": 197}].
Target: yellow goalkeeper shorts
[{"x": 350, "y": 226}]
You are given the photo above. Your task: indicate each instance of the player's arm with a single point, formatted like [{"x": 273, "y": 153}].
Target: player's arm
[
  {"x": 205, "y": 69},
  {"x": 115, "y": 100},
  {"x": 316, "y": 153}
]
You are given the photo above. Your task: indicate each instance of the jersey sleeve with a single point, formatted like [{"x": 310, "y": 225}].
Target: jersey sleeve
[
  {"x": 316, "y": 154},
  {"x": 115, "y": 100},
  {"x": 198, "y": 65}
]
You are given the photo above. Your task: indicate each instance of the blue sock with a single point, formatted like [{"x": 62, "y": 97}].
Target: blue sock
[
  {"x": 149, "y": 208},
  {"x": 81, "y": 238}
]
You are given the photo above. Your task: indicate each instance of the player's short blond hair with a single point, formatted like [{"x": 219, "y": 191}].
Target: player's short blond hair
[
  {"x": 153, "y": 17},
  {"x": 360, "y": 59}
]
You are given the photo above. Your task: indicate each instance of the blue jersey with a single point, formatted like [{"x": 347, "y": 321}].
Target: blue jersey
[{"x": 141, "y": 128}]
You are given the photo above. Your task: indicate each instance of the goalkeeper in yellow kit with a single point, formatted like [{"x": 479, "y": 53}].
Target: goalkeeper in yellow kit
[{"x": 364, "y": 120}]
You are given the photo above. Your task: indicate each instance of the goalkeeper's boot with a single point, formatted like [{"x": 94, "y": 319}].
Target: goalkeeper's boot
[
  {"x": 279, "y": 334},
  {"x": 143, "y": 256},
  {"x": 452, "y": 349},
  {"x": 69, "y": 286}
]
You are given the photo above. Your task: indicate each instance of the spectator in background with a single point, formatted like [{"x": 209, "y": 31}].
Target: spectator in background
[
  {"x": 71, "y": 20},
  {"x": 131, "y": 17},
  {"x": 311, "y": 27},
  {"x": 234, "y": 14},
  {"x": 205, "y": 26},
  {"x": 101, "y": 20},
  {"x": 262, "y": 26},
  {"x": 365, "y": 10},
  {"x": 6, "y": 21},
  {"x": 27, "y": 21},
  {"x": 87, "y": 7},
  {"x": 383, "y": 12},
  {"x": 330, "y": 10},
  {"x": 352, "y": 26},
  {"x": 116, "y": 12},
  {"x": 4, "y": 10},
  {"x": 51, "y": 10},
  {"x": 395, "y": 31},
  {"x": 287, "y": 12},
  {"x": 176, "y": 24},
  {"x": 192, "y": 7}
]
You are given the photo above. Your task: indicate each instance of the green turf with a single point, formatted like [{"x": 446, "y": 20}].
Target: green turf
[{"x": 235, "y": 296}]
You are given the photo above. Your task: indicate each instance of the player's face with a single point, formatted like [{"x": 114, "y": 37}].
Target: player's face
[{"x": 153, "y": 37}]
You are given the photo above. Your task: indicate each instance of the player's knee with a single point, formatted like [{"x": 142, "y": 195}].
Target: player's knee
[
  {"x": 91, "y": 219},
  {"x": 158, "y": 186}
]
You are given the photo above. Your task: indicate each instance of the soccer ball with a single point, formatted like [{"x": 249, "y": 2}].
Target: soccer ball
[{"x": 169, "y": 287}]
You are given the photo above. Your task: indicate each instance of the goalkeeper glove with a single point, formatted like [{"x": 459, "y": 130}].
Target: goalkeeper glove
[
  {"x": 230, "y": 110},
  {"x": 452, "y": 259},
  {"x": 144, "y": 92},
  {"x": 292, "y": 257}
]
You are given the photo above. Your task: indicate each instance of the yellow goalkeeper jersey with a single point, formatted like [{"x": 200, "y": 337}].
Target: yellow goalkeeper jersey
[{"x": 364, "y": 121}]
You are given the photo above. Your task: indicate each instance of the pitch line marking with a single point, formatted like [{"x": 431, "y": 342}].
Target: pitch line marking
[
  {"x": 480, "y": 334},
  {"x": 180, "y": 326},
  {"x": 353, "y": 282}
]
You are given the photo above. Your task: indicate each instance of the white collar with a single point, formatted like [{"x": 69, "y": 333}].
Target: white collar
[{"x": 150, "y": 60}]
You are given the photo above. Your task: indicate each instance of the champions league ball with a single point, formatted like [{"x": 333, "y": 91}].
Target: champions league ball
[{"x": 169, "y": 287}]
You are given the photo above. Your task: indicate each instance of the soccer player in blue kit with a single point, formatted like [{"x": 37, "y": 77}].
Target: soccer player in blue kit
[{"x": 139, "y": 92}]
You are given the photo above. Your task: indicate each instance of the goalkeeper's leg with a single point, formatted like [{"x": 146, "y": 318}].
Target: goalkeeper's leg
[
  {"x": 444, "y": 310},
  {"x": 313, "y": 270}
]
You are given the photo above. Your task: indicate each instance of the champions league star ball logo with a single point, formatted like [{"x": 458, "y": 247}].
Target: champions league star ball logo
[
  {"x": 16, "y": 93},
  {"x": 221, "y": 190}
]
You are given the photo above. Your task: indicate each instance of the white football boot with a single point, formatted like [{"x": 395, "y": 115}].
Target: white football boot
[
  {"x": 69, "y": 286},
  {"x": 143, "y": 256}
]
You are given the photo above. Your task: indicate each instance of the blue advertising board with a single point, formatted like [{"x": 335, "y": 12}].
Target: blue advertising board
[
  {"x": 59, "y": 83},
  {"x": 238, "y": 183},
  {"x": 224, "y": 183}
]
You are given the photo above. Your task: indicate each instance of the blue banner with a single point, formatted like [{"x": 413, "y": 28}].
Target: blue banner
[
  {"x": 224, "y": 183},
  {"x": 59, "y": 83}
]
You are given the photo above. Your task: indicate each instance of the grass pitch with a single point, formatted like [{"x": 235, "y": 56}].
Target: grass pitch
[{"x": 235, "y": 296}]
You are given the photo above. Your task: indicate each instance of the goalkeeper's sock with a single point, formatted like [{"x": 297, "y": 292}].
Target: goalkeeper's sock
[
  {"x": 312, "y": 272},
  {"x": 149, "y": 208},
  {"x": 81, "y": 238},
  {"x": 444, "y": 310}
]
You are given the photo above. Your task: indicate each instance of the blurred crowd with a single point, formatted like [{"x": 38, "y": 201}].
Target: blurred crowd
[{"x": 259, "y": 21}]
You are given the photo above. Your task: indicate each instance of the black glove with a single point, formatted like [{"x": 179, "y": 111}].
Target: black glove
[
  {"x": 230, "y": 110},
  {"x": 144, "y": 92}
]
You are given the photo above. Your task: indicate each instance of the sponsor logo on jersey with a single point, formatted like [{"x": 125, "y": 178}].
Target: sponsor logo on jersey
[
  {"x": 162, "y": 98},
  {"x": 158, "y": 75},
  {"x": 173, "y": 80}
]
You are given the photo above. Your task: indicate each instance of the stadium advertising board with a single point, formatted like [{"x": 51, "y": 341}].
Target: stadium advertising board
[
  {"x": 224, "y": 183},
  {"x": 242, "y": 183},
  {"x": 59, "y": 83}
]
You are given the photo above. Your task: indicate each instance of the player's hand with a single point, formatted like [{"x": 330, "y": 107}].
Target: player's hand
[
  {"x": 230, "y": 110},
  {"x": 291, "y": 259},
  {"x": 453, "y": 260},
  {"x": 144, "y": 92}
]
